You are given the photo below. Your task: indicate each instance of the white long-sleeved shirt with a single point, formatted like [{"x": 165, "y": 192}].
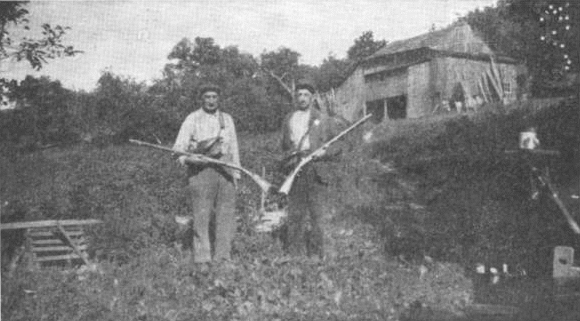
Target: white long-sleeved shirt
[
  {"x": 201, "y": 125},
  {"x": 298, "y": 127}
]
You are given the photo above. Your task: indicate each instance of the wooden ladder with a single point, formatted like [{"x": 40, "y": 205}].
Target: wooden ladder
[{"x": 54, "y": 240}]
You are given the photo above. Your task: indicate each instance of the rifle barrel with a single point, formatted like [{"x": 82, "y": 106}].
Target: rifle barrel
[
  {"x": 262, "y": 183},
  {"x": 287, "y": 184}
]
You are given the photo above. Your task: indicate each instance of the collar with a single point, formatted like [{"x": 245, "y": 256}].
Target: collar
[{"x": 214, "y": 113}]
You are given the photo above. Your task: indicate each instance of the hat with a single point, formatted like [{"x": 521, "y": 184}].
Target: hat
[
  {"x": 305, "y": 85},
  {"x": 209, "y": 87}
]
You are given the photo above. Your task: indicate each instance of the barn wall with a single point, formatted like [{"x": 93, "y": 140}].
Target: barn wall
[
  {"x": 451, "y": 71},
  {"x": 394, "y": 85},
  {"x": 424, "y": 84},
  {"x": 350, "y": 96},
  {"x": 419, "y": 96}
]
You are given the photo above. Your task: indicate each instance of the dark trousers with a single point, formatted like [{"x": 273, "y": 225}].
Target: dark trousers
[
  {"x": 212, "y": 192},
  {"x": 307, "y": 216}
]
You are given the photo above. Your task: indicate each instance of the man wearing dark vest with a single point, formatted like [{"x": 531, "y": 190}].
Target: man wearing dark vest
[
  {"x": 305, "y": 130},
  {"x": 211, "y": 132}
]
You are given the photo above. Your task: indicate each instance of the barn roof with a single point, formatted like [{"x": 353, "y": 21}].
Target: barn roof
[{"x": 453, "y": 38}]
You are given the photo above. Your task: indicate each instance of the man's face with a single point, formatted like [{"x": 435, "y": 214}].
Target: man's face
[
  {"x": 210, "y": 100},
  {"x": 304, "y": 99}
]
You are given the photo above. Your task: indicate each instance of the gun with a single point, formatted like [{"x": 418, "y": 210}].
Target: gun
[
  {"x": 287, "y": 184},
  {"x": 262, "y": 183},
  {"x": 544, "y": 180}
]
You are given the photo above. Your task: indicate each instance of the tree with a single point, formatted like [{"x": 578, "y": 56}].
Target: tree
[
  {"x": 35, "y": 51},
  {"x": 332, "y": 72},
  {"x": 364, "y": 46},
  {"x": 282, "y": 65},
  {"x": 43, "y": 115},
  {"x": 47, "y": 101},
  {"x": 245, "y": 92},
  {"x": 542, "y": 34}
]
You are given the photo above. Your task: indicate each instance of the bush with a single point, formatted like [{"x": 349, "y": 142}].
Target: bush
[
  {"x": 476, "y": 196},
  {"x": 142, "y": 274}
]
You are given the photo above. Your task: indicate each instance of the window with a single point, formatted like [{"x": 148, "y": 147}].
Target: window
[
  {"x": 397, "y": 107},
  {"x": 384, "y": 75},
  {"x": 507, "y": 87}
]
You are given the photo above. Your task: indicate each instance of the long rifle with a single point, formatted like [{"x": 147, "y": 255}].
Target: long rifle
[
  {"x": 262, "y": 183},
  {"x": 287, "y": 185},
  {"x": 545, "y": 181}
]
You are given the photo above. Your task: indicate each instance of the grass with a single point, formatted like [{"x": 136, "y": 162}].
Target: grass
[
  {"x": 142, "y": 273},
  {"x": 439, "y": 187},
  {"x": 477, "y": 198}
]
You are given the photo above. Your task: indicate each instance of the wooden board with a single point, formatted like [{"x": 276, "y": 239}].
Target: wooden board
[
  {"x": 62, "y": 257},
  {"x": 61, "y": 248},
  {"x": 35, "y": 233},
  {"x": 58, "y": 242},
  {"x": 48, "y": 223}
]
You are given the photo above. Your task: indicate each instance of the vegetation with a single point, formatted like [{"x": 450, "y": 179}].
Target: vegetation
[
  {"x": 541, "y": 34},
  {"x": 477, "y": 197},
  {"x": 34, "y": 51},
  {"x": 415, "y": 203},
  {"x": 143, "y": 273},
  {"x": 429, "y": 191}
]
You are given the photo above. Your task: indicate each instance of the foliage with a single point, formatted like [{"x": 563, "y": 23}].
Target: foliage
[
  {"x": 332, "y": 72},
  {"x": 35, "y": 51},
  {"x": 162, "y": 284},
  {"x": 246, "y": 94},
  {"x": 477, "y": 198},
  {"x": 515, "y": 28},
  {"x": 364, "y": 46},
  {"x": 143, "y": 272},
  {"x": 43, "y": 116},
  {"x": 282, "y": 62}
]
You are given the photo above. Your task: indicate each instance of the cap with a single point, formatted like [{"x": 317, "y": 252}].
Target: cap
[
  {"x": 305, "y": 85},
  {"x": 209, "y": 87}
]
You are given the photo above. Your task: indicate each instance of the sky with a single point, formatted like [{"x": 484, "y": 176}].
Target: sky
[{"x": 133, "y": 38}]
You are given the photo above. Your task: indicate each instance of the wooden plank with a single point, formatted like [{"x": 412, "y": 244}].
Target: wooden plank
[
  {"x": 75, "y": 247},
  {"x": 482, "y": 90},
  {"x": 33, "y": 233},
  {"x": 57, "y": 248},
  {"x": 486, "y": 85},
  {"x": 497, "y": 75},
  {"x": 57, "y": 257},
  {"x": 53, "y": 242},
  {"x": 48, "y": 223},
  {"x": 494, "y": 84},
  {"x": 48, "y": 242}
]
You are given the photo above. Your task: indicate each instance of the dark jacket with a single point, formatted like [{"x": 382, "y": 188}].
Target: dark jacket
[{"x": 322, "y": 129}]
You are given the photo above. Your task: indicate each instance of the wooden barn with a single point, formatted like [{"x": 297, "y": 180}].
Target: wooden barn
[{"x": 450, "y": 69}]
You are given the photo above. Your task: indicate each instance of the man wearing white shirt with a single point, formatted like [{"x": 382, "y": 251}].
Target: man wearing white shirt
[{"x": 210, "y": 131}]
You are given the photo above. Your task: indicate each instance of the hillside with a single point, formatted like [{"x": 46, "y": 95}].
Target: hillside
[{"x": 413, "y": 209}]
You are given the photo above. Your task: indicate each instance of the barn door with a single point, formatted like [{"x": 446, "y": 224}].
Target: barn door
[
  {"x": 377, "y": 108},
  {"x": 397, "y": 107}
]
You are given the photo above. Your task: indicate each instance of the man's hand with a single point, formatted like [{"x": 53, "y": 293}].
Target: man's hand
[
  {"x": 181, "y": 160},
  {"x": 319, "y": 153},
  {"x": 184, "y": 160}
]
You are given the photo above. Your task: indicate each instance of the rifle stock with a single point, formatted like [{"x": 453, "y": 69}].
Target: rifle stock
[
  {"x": 262, "y": 183},
  {"x": 287, "y": 184}
]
